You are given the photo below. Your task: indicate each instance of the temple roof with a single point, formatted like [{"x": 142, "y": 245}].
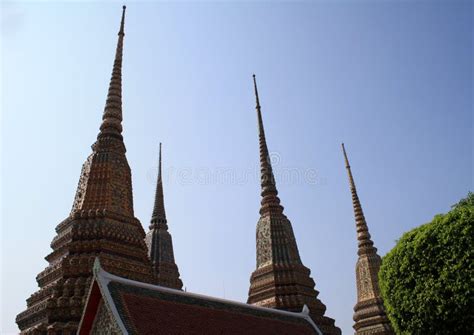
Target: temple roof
[{"x": 140, "y": 308}]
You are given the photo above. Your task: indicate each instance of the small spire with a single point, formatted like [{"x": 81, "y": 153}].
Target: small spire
[
  {"x": 159, "y": 216},
  {"x": 159, "y": 241},
  {"x": 112, "y": 117},
  {"x": 270, "y": 201},
  {"x": 363, "y": 236}
]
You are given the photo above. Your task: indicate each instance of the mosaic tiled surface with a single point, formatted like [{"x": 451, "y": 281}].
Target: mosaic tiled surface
[
  {"x": 369, "y": 312},
  {"x": 101, "y": 224},
  {"x": 146, "y": 311},
  {"x": 281, "y": 280}
]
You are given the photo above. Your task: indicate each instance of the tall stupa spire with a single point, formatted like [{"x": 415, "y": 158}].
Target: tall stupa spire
[
  {"x": 101, "y": 224},
  {"x": 112, "y": 117},
  {"x": 280, "y": 280},
  {"x": 369, "y": 313},
  {"x": 101, "y": 186},
  {"x": 270, "y": 200},
  {"x": 159, "y": 241},
  {"x": 363, "y": 236}
]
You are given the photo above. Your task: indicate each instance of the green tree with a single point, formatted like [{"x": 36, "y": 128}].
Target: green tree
[{"x": 427, "y": 279}]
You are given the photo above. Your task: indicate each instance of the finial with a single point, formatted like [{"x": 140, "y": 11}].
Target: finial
[
  {"x": 122, "y": 23},
  {"x": 348, "y": 167},
  {"x": 345, "y": 156},
  {"x": 96, "y": 267},
  {"x": 305, "y": 310},
  {"x": 159, "y": 165},
  {"x": 160, "y": 152},
  {"x": 256, "y": 91},
  {"x": 159, "y": 214}
]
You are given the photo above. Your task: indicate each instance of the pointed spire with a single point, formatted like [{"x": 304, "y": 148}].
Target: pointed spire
[
  {"x": 280, "y": 279},
  {"x": 105, "y": 182},
  {"x": 112, "y": 117},
  {"x": 101, "y": 224},
  {"x": 159, "y": 215},
  {"x": 270, "y": 202},
  {"x": 363, "y": 236},
  {"x": 369, "y": 312},
  {"x": 160, "y": 243}
]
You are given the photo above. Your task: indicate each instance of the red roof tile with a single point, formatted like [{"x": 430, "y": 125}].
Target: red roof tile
[{"x": 140, "y": 308}]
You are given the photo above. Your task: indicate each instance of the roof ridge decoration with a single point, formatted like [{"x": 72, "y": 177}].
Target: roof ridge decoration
[{"x": 103, "y": 278}]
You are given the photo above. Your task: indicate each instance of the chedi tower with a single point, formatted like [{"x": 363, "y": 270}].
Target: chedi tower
[
  {"x": 369, "y": 312},
  {"x": 101, "y": 224},
  {"x": 159, "y": 241},
  {"x": 281, "y": 280}
]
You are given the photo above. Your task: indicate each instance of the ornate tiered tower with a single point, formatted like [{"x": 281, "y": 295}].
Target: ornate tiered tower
[
  {"x": 369, "y": 312},
  {"x": 281, "y": 280},
  {"x": 159, "y": 242},
  {"x": 101, "y": 224}
]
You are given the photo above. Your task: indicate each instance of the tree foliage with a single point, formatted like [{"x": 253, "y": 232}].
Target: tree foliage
[{"x": 427, "y": 279}]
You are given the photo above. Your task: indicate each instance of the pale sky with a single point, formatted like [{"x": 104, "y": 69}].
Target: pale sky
[{"x": 393, "y": 80}]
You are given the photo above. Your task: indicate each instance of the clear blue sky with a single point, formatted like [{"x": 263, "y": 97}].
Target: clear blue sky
[{"x": 393, "y": 80}]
